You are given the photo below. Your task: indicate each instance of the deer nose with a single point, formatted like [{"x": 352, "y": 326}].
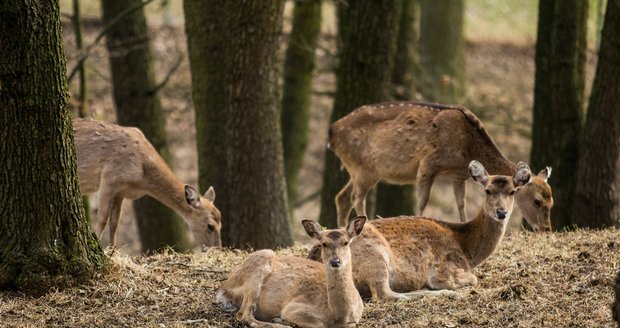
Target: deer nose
[
  {"x": 334, "y": 263},
  {"x": 501, "y": 213}
]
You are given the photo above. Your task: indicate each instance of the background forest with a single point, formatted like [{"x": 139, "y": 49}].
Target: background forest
[{"x": 240, "y": 95}]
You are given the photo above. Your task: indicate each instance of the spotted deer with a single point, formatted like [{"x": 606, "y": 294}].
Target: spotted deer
[
  {"x": 290, "y": 290},
  {"x": 121, "y": 163},
  {"x": 407, "y": 257},
  {"x": 405, "y": 142}
]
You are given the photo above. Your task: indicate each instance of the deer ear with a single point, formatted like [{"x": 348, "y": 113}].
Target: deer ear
[
  {"x": 478, "y": 173},
  {"x": 312, "y": 228},
  {"x": 210, "y": 194},
  {"x": 545, "y": 174},
  {"x": 192, "y": 197},
  {"x": 355, "y": 226},
  {"x": 523, "y": 174}
]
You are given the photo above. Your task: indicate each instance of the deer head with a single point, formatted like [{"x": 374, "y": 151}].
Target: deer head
[
  {"x": 335, "y": 251},
  {"x": 500, "y": 190},
  {"x": 204, "y": 218},
  {"x": 536, "y": 200}
]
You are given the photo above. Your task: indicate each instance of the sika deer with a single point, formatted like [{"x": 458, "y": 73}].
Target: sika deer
[
  {"x": 395, "y": 258},
  {"x": 298, "y": 291},
  {"x": 121, "y": 163},
  {"x": 404, "y": 142}
]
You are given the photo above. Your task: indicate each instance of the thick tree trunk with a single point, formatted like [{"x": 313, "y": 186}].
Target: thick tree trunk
[
  {"x": 392, "y": 200},
  {"x": 368, "y": 32},
  {"x": 442, "y": 51},
  {"x": 237, "y": 116},
  {"x": 558, "y": 98},
  {"x": 46, "y": 240},
  {"x": 597, "y": 196},
  {"x": 298, "y": 67},
  {"x": 137, "y": 104}
]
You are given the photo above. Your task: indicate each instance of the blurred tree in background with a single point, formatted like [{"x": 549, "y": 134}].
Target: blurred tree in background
[
  {"x": 233, "y": 48},
  {"x": 137, "y": 104},
  {"x": 297, "y": 89},
  {"x": 597, "y": 197},
  {"x": 442, "y": 51},
  {"x": 46, "y": 240},
  {"x": 558, "y": 98},
  {"x": 367, "y": 43}
]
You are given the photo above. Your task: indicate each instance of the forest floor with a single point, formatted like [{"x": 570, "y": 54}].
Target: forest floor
[{"x": 560, "y": 279}]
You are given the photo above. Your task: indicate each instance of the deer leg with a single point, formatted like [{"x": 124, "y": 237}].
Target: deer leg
[
  {"x": 427, "y": 292},
  {"x": 344, "y": 203},
  {"x": 115, "y": 215},
  {"x": 106, "y": 195},
  {"x": 460, "y": 187},
  {"x": 424, "y": 181},
  {"x": 302, "y": 315},
  {"x": 360, "y": 191}
]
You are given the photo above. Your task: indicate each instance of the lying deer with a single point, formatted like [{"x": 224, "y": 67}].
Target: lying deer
[
  {"x": 403, "y": 142},
  {"x": 297, "y": 291},
  {"x": 406, "y": 257},
  {"x": 122, "y": 164}
]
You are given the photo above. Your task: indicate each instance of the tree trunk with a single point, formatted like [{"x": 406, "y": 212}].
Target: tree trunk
[
  {"x": 298, "y": 67},
  {"x": 237, "y": 116},
  {"x": 137, "y": 104},
  {"x": 558, "y": 98},
  {"x": 393, "y": 200},
  {"x": 46, "y": 240},
  {"x": 615, "y": 308},
  {"x": 367, "y": 32},
  {"x": 597, "y": 195},
  {"x": 442, "y": 55}
]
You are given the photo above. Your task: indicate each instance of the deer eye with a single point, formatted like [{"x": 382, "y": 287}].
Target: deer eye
[
  {"x": 512, "y": 192},
  {"x": 538, "y": 203},
  {"x": 346, "y": 243},
  {"x": 324, "y": 245},
  {"x": 487, "y": 191},
  {"x": 211, "y": 227}
]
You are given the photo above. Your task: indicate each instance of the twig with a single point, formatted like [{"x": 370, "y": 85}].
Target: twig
[
  {"x": 308, "y": 198},
  {"x": 171, "y": 71}
]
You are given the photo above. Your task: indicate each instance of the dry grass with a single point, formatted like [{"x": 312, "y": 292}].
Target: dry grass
[{"x": 543, "y": 280}]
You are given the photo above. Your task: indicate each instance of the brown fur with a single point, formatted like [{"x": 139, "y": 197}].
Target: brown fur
[
  {"x": 292, "y": 290},
  {"x": 120, "y": 163},
  {"x": 396, "y": 257},
  {"x": 404, "y": 142}
]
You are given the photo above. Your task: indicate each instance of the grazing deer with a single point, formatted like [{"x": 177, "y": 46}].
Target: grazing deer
[
  {"x": 297, "y": 291},
  {"x": 404, "y": 142},
  {"x": 406, "y": 257},
  {"x": 121, "y": 163}
]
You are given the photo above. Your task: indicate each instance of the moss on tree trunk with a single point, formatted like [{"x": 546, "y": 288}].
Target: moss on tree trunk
[
  {"x": 237, "y": 116},
  {"x": 367, "y": 32},
  {"x": 46, "y": 241},
  {"x": 137, "y": 104},
  {"x": 558, "y": 99}
]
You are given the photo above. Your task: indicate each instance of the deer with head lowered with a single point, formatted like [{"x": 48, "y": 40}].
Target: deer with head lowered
[
  {"x": 404, "y": 142},
  {"x": 407, "y": 257},
  {"x": 288, "y": 290},
  {"x": 121, "y": 163}
]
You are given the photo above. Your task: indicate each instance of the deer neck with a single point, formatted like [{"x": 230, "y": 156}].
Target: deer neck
[
  {"x": 494, "y": 160},
  {"x": 162, "y": 184},
  {"x": 342, "y": 296},
  {"x": 480, "y": 237}
]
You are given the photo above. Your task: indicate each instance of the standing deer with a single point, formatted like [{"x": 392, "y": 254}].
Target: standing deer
[
  {"x": 404, "y": 142},
  {"x": 122, "y": 164},
  {"x": 395, "y": 258},
  {"x": 297, "y": 291}
]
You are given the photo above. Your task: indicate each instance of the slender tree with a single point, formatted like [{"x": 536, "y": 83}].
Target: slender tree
[
  {"x": 558, "y": 98},
  {"x": 233, "y": 52},
  {"x": 298, "y": 68},
  {"x": 367, "y": 32},
  {"x": 395, "y": 200},
  {"x": 46, "y": 240},
  {"x": 137, "y": 104},
  {"x": 597, "y": 196},
  {"x": 442, "y": 51}
]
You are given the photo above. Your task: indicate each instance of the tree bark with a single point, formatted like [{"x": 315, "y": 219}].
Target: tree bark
[
  {"x": 367, "y": 38},
  {"x": 558, "y": 98},
  {"x": 442, "y": 51},
  {"x": 137, "y": 104},
  {"x": 237, "y": 116},
  {"x": 393, "y": 200},
  {"x": 46, "y": 241},
  {"x": 298, "y": 68},
  {"x": 597, "y": 196}
]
